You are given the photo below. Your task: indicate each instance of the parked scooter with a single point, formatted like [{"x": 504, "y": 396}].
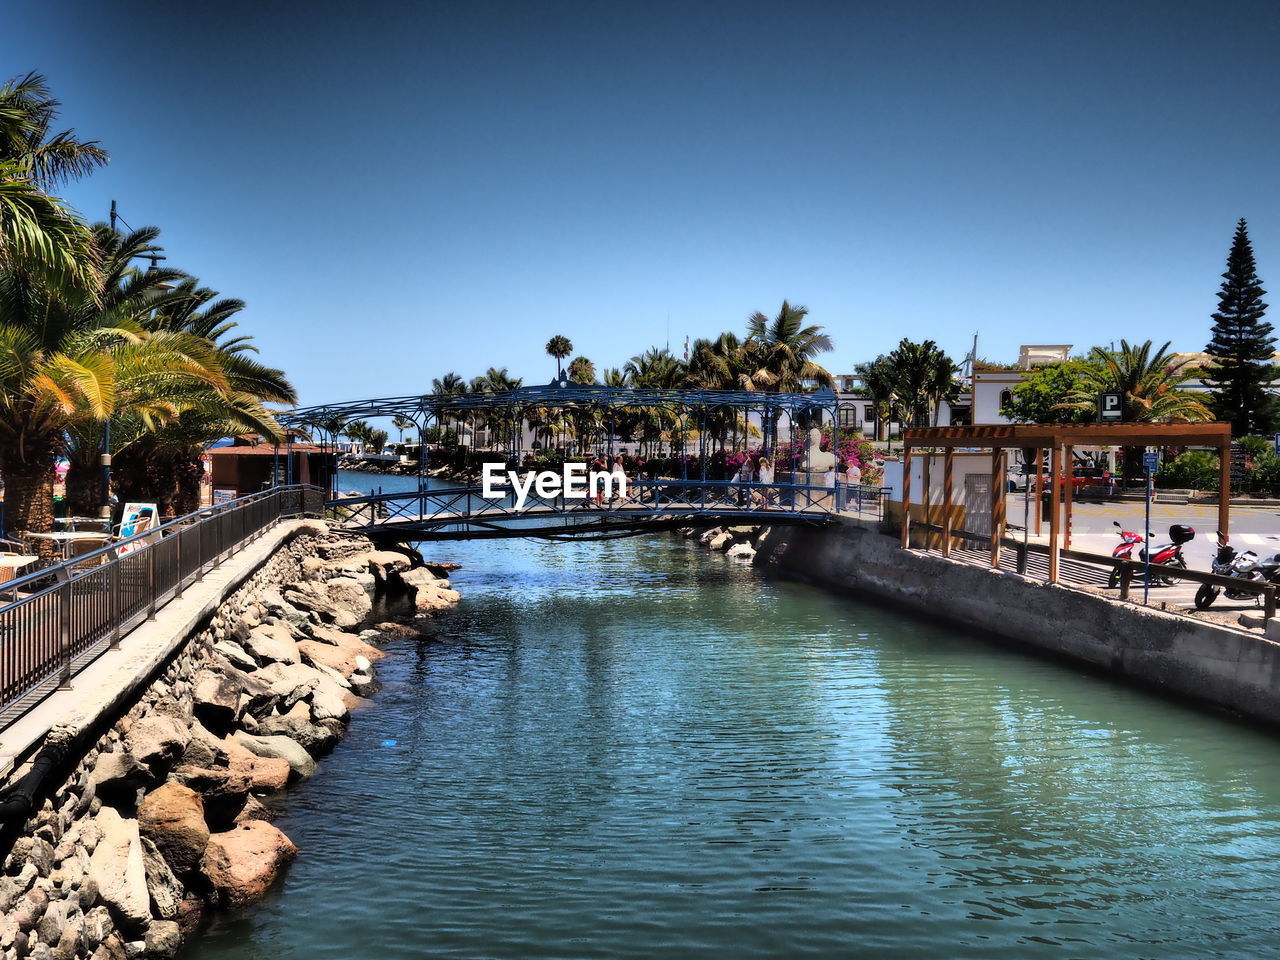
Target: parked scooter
[
  {"x": 1239, "y": 566},
  {"x": 1168, "y": 555}
]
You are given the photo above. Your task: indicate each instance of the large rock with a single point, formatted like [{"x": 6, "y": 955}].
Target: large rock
[
  {"x": 165, "y": 888},
  {"x": 164, "y": 939},
  {"x": 351, "y": 593},
  {"x": 279, "y": 747},
  {"x": 277, "y": 606},
  {"x": 117, "y": 868},
  {"x": 117, "y": 777},
  {"x": 215, "y": 700},
  {"x": 271, "y": 643},
  {"x": 380, "y": 562},
  {"x": 235, "y": 655},
  {"x": 340, "y": 656},
  {"x": 314, "y": 597},
  {"x": 241, "y": 864},
  {"x": 431, "y": 593},
  {"x": 172, "y": 816},
  {"x": 316, "y": 737},
  {"x": 203, "y": 749},
  {"x": 157, "y": 741},
  {"x": 223, "y": 792},
  {"x": 266, "y": 774},
  {"x": 721, "y": 541}
]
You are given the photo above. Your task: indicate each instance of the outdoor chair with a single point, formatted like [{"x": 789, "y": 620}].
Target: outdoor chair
[{"x": 82, "y": 548}]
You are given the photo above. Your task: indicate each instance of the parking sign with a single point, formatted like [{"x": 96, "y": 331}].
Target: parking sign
[
  {"x": 1151, "y": 461},
  {"x": 1110, "y": 407}
]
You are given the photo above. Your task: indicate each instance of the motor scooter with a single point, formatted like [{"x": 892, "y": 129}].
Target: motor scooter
[
  {"x": 1167, "y": 555},
  {"x": 1239, "y": 566}
]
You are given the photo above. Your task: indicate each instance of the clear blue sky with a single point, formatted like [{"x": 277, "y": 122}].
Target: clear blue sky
[{"x": 401, "y": 189}]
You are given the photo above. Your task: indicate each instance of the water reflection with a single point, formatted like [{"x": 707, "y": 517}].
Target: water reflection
[{"x": 630, "y": 748}]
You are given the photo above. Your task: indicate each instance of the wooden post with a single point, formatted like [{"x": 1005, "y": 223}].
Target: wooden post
[
  {"x": 906, "y": 498},
  {"x": 926, "y": 465},
  {"x": 1224, "y": 486},
  {"x": 1040, "y": 488},
  {"x": 948, "y": 464},
  {"x": 1068, "y": 493},
  {"x": 1055, "y": 467},
  {"x": 998, "y": 485}
]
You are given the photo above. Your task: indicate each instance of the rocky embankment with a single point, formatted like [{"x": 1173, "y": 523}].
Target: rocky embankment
[
  {"x": 736, "y": 542},
  {"x": 168, "y": 815},
  {"x": 391, "y": 468}
]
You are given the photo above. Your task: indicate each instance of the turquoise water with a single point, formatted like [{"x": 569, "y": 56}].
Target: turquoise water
[{"x": 631, "y": 748}]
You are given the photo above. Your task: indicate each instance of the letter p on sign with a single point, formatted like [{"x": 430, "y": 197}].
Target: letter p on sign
[{"x": 1110, "y": 407}]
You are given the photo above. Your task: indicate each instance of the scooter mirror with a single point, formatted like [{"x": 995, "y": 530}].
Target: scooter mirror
[{"x": 1115, "y": 523}]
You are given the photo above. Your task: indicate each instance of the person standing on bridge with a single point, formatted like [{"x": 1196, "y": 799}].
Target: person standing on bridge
[
  {"x": 743, "y": 481},
  {"x": 766, "y": 478},
  {"x": 620, "y": 477}
]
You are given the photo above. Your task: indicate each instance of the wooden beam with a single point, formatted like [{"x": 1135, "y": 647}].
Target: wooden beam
[
  {"x": 1224, "y": 487},
  {"x": 948, "y": 465},
  {"x": 906, "y": 498},
  {"x": 1088, "y": 435},
  {"x": 1069, "y": 492},
  {"x": 1055, "y": 468}
]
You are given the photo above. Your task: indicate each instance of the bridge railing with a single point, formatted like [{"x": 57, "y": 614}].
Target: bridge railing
[
  {"x": 644, "y": 497},
  {"x": 75, "y": 611}
]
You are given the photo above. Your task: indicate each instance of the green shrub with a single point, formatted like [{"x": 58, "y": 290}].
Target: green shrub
[{"x": 1194, "y": 469}]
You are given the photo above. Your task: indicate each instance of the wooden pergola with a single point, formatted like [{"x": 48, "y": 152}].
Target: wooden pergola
[{"x": 1059, "y": 439}]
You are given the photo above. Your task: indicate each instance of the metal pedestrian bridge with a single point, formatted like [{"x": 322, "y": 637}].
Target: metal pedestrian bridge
[{"x": 464, "y": 513}]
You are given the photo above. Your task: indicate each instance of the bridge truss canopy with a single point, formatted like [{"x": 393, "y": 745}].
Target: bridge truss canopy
[{"x": 425, "y": 409}]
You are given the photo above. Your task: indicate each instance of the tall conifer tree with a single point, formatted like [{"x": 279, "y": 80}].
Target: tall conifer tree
[{"x": 1242, "y": 344}]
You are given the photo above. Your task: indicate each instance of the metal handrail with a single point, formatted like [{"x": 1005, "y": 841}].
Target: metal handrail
[{"x": 78, "y": 610}]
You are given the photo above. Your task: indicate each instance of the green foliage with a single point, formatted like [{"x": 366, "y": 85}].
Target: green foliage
[
  {"x": 1148, "y": 382},
  {"x": 1242, "y": 344},
  {"x": 442, "y": 436},
  {"x": 1193, "y": 469},
  {"x": 559, "y": 347},
  {"x": 921, "y": 376},
  {"x": 1039, "y": 398}
]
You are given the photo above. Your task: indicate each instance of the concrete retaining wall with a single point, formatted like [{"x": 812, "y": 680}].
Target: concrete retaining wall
[{"x": 1210, "y": 663}]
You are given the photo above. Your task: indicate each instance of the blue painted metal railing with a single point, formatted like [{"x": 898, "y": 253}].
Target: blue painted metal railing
[{"x": 465, "y": 511}]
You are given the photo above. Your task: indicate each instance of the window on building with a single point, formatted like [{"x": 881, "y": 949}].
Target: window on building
[{"x": 1006, "y": 398}]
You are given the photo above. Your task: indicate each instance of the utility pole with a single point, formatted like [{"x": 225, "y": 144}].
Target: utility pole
[{"x": 106, "y": 510}]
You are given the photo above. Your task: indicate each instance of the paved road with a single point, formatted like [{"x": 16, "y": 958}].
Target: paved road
[{"x": 1252, "y": 528}]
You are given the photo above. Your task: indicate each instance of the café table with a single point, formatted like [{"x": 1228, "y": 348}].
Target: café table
[{"x": 10, "y": 564}]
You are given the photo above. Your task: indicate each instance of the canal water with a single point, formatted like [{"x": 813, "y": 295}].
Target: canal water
[{"x": 633, "y": 749}]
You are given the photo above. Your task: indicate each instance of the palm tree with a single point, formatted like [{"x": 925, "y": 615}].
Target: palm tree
[
  {"x": 401, "y": 423},
  {"x": 73, "y": 354},
  {"x": 923, "y": 377},
  {"x": 559, "y": 347},
  {"x": 498, "y": 380},
  {"x": 719, "y": 364},
  {"x": 879, "y": 385},
  {"x": 780, "y": 352},
  {"x": 36, "y": 228},
  {"x": 582, "y": 370},
  {"x": 1149, "y": 383},
  {"x": 161, "y": 460},
  {"x": 450, "y": 385}
]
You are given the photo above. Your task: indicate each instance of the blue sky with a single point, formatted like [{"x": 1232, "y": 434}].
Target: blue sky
[{"x": 401, "y": 189}]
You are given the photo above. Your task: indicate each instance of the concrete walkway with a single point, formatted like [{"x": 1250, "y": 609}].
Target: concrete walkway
[{"x": 103, "y": 688}]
